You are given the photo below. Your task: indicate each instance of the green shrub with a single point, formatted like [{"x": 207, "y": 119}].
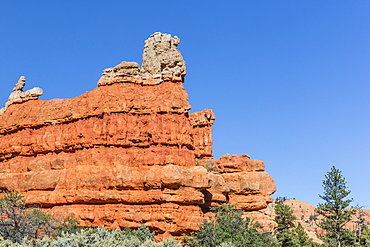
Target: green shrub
[
  {"x": 69, "y": 224},
  {"x": 210, "y": 166},
  {"x": 18, "y": 222},
  {"x": 165, "y": 243},
  {"x": 96, "y": 237},
  {"x": 92, "y": 237},
  {"x": 142, "y": 233},
  {"x": 229, "y": 228}
]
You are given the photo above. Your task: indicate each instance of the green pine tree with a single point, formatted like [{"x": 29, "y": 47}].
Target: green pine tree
[
  {"x": 364, "y": 238},
  {"x": 335, "y": 209},
  {"x": 285, "y": 220},
  {"x": 303, "y": 239}
]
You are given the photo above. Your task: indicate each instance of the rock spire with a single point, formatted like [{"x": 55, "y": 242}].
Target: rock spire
[{"x": 162, "y": 61}]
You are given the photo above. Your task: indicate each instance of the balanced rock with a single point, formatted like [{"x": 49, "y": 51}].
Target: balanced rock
[{"x": 18, "y": 96}]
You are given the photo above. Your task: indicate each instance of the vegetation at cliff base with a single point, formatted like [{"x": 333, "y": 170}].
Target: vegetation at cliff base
[
  {"x": 95, "y": 237},
  {"x": 21, "y": 226},
  {"x": 229, "y": 228},
  {"x": 18, "y": 222}
]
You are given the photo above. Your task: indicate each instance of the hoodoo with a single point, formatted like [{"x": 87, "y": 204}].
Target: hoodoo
[{"x": 126, "y": 153}]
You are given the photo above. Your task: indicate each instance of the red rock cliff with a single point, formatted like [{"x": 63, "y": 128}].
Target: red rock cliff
[{"x": 128, "y": 152}]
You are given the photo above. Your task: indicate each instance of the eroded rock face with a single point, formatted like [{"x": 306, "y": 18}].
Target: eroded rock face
[
  {"x": 162, "y": 61},
  {"x": 202, "y": 134},
  {"x": 128, "y": 152}
]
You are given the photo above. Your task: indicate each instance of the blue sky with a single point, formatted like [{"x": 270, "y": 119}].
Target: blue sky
[{"x": 289, "y": 81}]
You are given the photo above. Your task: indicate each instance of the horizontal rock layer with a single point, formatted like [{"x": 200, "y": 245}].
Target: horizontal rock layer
[
  {"x": 167, "y": 97},
  {"x": 113, "y": 130},
  {"x": 162, "y": 218}
]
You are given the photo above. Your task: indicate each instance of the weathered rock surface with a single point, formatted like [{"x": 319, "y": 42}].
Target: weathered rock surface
[
  {"x": 162, "y": 61},
  {"x": 18, "y": 96},
  {"x": 128, "y": 152},
  {"x": 202, "y": 133}
]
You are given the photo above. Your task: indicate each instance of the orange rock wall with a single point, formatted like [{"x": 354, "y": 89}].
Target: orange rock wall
[
  {"x": 126, "y": 153},
  {"x": 108, "y": 164}
]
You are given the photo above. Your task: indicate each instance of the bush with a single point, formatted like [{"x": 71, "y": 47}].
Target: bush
[
  {"x": 69, "y": 225},
  {"x": 93, "y": 237},
  {"x": 229, "y": 228},
  {"x": 96, "y": 237},
  {"x": 142, "y": 233},
  {"x": 18, "y": 222}
]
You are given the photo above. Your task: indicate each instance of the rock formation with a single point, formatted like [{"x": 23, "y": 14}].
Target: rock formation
[
  {"x": 307, "y": 217},
  {"x": 18, "y": 96},
  {"x": 162, "y": 61},
  {"x": 128, "y": 152}
]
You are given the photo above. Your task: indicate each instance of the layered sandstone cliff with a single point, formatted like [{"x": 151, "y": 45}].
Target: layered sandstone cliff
[{"x": 128, "y": 152}]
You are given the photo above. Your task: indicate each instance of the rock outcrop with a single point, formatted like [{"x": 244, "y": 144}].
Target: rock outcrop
[
  {"x": 128, "y": 152},
  {"x": 19, "y": 96},
  {"x": 162, "y": 61}
]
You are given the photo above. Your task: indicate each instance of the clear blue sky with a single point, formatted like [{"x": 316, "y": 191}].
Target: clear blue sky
[{"x": 289, "y": 81}]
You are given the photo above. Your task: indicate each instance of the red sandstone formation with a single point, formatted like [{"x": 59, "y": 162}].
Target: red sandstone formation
[{"x": 128, "y": 152}]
